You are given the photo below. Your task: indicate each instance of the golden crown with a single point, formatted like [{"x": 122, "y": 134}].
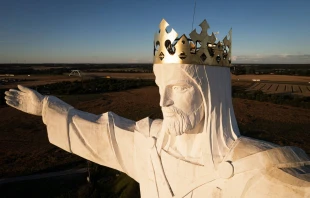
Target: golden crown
[{"x": 198, "y": 49}]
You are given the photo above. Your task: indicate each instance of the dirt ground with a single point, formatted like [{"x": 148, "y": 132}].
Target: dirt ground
[
  {"x": 276, "y": 88},
  {"x": 274, "y": 84},
  {"x": 25, "y": 149}
]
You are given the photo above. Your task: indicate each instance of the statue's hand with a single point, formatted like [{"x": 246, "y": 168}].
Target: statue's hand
[{"x": 26, "y": 100}]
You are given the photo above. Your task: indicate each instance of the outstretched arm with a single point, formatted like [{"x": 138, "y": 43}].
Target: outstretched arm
[{"x": 106, "y": 139}]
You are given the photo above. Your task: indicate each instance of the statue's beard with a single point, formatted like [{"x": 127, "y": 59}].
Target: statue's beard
[{"x": 178, "y": 122}]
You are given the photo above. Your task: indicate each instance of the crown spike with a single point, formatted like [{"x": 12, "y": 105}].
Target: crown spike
[
  {"x": 163, "y": 25},
  {"x": 204, "y": 27}
]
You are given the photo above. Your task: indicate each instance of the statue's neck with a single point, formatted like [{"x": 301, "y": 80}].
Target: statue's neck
[{"x": 187, "y": 146}]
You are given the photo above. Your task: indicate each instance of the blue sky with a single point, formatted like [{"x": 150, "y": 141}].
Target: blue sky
[{"x": 120, "y": 31}]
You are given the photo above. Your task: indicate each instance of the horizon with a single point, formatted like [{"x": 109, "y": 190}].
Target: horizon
[{"x": 122, "y": 32}]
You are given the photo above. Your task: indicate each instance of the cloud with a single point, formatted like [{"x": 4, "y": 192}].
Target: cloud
[{"x": 275, "y": 59}]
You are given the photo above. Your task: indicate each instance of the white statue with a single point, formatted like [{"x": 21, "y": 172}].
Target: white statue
[{"x": 196, "y": 150}]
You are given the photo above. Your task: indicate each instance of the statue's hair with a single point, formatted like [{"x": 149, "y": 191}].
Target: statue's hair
[{"x": 220, "y": 128}]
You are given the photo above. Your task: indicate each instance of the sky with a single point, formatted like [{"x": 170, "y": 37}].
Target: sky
[{"x": 122, "y": 31}]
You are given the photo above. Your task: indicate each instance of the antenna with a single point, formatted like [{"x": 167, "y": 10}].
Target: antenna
[{"x": 194, "y": 16}]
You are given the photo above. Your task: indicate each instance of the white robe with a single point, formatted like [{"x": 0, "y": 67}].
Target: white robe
[{"x": 260, "y": 169}]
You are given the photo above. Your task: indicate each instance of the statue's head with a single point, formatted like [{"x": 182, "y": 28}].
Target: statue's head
[
  {"x": 180, "y": 99},
  {"x": 193, "y": 76}
]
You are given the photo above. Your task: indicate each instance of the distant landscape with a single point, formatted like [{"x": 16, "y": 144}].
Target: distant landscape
[
  {"x": 269, "y": 105},
  {"x": 281, "y": 84},
  {"x": 49, "y": 68}
]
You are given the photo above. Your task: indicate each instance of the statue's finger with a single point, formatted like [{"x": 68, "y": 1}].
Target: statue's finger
[
  {"x": 8, "y": 98},
  {"x": 12, "y": 98},
  {"x": 14, "y": 91},
  {"x": 24, "y": 89},
  {"x": 12, "y": 103},
  {"x": 7, "y": 93}
]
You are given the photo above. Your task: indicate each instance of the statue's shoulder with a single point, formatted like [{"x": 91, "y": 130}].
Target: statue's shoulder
[
  {"x": 271, "y": 169},
  {"x": 279, "y": 172},
  {"x": 246, "y": 146},
  {"x": 148, "y": 127},
  {"x": 277, "y": 182},
  {"x": 280, "y": 166}
]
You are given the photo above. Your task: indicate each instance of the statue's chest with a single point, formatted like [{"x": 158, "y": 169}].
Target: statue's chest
[
  {"x": 179, "y": 173},
  {"x": 161, "y": 176},
  {"x": 158, "y": 175}
]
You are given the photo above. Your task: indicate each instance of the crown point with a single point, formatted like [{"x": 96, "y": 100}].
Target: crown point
[
  {"x": 163, "y": 24},
  {"x": 204, "y": 25},
  {"x": 230, "y": 33}
]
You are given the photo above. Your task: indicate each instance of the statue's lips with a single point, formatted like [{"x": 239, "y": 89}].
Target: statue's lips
[{"x": 167, "y": 112}]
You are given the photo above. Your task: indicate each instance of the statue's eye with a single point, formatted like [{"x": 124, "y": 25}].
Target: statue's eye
[{"x": 179, "y": 88}]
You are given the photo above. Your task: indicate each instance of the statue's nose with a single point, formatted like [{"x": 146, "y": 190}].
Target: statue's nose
[{"x": 165, "y": 101}]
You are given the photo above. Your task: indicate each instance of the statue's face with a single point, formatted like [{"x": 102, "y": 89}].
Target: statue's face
[{"x": 180, "y": 99}]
